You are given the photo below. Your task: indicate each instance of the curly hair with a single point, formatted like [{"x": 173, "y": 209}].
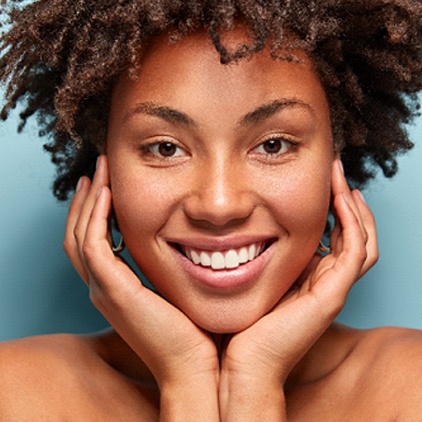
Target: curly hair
[{"x": 60, "y": 59}]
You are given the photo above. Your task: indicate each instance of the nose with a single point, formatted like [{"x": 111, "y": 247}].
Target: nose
[{"x": 221, "y": 195}]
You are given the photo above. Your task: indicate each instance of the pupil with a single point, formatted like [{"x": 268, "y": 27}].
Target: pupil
[
  {"x": 167, "y": 149},
  {"x": 272, "y": 146}
]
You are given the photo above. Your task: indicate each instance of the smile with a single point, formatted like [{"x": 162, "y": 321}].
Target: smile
[{"x": 224, "y": 259}]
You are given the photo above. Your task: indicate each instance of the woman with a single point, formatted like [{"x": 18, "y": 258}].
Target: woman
[{"x": 220, "y": 132}]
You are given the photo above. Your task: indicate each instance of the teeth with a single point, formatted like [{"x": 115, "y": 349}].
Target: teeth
[
  {"x": 252, "y": 251},
  {"x": 194, "y": 257},
  {"x": 243, "y": 255},
  {"x": 229, "y": 259},
  {"x": 205, "y": 259},
  {"x": 232, "y": 259},
  {"x": 217, "y": 261}
]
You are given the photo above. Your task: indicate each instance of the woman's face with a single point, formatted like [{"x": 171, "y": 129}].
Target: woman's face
[{"x": 220, "y": 176}]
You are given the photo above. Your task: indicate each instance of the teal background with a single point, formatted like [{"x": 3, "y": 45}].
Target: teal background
[{"x": 41, "y": 293}]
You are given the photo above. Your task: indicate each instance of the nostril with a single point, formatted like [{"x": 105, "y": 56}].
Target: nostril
[{"x": 216, "y": 212}]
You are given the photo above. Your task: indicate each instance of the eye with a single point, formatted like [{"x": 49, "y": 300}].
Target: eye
[
  {"x": 274, "y": 146},
  {"x": 163, "y": 149},
  {"x": 166, "y": 149}
]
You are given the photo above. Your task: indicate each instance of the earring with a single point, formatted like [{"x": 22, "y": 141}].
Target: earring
[
  {"x": 119, "y": 247},
  {"x": 323, "y": 248}
]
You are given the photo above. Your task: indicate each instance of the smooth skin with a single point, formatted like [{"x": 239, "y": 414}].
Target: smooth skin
[
  {"x": 220, "y": 189},
  {"x": 266, "y": 349}
]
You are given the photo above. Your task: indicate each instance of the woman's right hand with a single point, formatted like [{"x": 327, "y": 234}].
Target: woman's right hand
[{"x": 182, "y": 357}]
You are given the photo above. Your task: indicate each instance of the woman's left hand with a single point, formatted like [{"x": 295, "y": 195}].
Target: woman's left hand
[{"x": 257, "y": 361}]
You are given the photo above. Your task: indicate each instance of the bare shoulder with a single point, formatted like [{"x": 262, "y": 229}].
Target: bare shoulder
[
  {"x": 42, "y": 356},
  {"x": 35, "y": 368},
  {"x": 60, "y": 377},
  {"x": 31, "y": 369},
  {"x": 390, "y": 362},
  {"x": 393, "y": 348}
]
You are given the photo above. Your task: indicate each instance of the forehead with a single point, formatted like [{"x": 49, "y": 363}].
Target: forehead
[{"x": 189, "y": 74}]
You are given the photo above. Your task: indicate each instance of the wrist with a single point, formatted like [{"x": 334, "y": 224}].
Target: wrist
[
  {"x": 247, "y": 397},
  {"x": 191, "y": 398}
]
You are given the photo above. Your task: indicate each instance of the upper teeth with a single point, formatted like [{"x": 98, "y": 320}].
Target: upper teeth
[{"x": 230, "y": 258}]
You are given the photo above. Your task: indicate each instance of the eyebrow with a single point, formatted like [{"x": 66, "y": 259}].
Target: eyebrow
[
  {"x": 259, "y": 114},
  {"x": 167, "y": 113},
  {"x": 266, "y": 111}
]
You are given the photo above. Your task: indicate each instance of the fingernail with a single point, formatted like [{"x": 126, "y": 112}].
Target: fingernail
[
  {"x": 98, "y": 162},
  {"x": 98, "y": 192},
  {"x": 79, "y": 185},
  {"x": 340, "y": 166},
  {"x": 360, "y": 194}
]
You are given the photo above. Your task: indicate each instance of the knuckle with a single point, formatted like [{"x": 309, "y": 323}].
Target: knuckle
[
  {"x": 68, "y": 246},
  {"x": 373, "y": 258},
  {"x": 88, "y": 250},
  {"x": 78, "y": 234},
  {"x": 365, "y": 235},
  {"x": 362, "y": 254}
]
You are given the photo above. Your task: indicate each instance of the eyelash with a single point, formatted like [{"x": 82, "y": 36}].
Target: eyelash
[
  {"x": 286, "y": 146},
  {"x": 152, "y": 150}
]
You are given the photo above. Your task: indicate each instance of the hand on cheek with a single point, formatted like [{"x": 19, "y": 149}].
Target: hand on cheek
[
  {"x": 265, "y": 353},
  {"x": 164, "y": 338},
  {"x": 365, "y": 234}
]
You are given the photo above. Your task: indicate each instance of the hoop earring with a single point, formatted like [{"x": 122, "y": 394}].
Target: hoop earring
[
  {"x": 119, "y": 247},
  {"x": 323, "y": 248}
]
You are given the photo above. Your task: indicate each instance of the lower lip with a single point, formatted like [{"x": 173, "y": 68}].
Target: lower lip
[{"x": 236, "y": 278}]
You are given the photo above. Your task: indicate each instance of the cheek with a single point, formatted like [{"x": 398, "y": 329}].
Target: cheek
[
  {"x": 142, "y": 204},
  {"x": 301, "y": 199}
]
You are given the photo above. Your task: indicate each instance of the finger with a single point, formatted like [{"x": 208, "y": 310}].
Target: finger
[
  {"x": 100, "y": 179},
  {"x": 115, "y": 290},
  {"x": 149, "y": 324},
  {"x": 335, "y": 240},
  {"x": 345, "y": 262},
  {"x": 340, "y": 185},
  {"x": 371, "y": 240},
  {"x": 106, "y": 269},
  {"x": 353, "y": 254},
  {"x": 305, "y": 313},
  {"x": 69, "y": 244},
  {"x": 324, "y": 293}
]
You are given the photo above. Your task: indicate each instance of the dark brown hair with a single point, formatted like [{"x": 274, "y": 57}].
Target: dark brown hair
[{"x": 60, "y": 58}]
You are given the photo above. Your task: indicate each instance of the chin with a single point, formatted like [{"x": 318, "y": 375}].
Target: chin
[{"x": 225, "y": 322}]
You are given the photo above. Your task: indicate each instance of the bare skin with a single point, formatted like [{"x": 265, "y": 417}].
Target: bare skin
[
  {"x": 196, "y": 162},
  {"x": 373, "y": 375}
]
